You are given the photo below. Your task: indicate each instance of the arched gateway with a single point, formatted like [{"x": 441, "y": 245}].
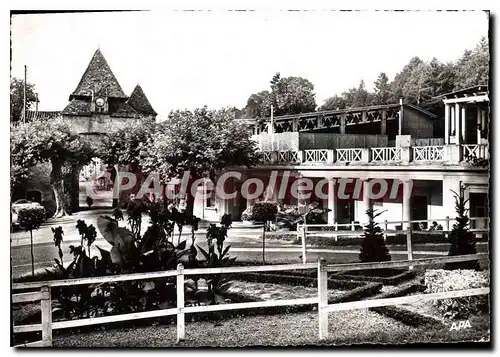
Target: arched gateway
[{"x": 97, "y": 105}]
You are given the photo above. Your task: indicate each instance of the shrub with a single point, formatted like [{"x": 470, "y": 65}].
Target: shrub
[
  {"x": 440, "y": 280},
  {"x": 30, "y": 218},
  {"x": 462, "y": 240},
  {"x": 373, "y": 247}
]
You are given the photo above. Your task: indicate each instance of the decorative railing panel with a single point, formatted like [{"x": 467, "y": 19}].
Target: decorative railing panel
[
  {"x": 349, "y": 155},
  {"x": 386, "y": 154},
  {"x": 428, "y": 153},
  {"x": 316, "y": 155},
  {"x": 477, "y": 151},
  {"x": 285, "y": 157}
]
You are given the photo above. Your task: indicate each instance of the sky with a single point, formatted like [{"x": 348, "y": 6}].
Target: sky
[{"x": 219, "y": 58}]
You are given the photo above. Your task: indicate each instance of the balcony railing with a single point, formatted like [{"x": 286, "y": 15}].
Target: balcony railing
[
  {"x": 428, "y": 153},
  {"x": 477, "y": 151},
  {"x": 391, "y": 154},
  {"x": 349, "y": 155},
  {"x": 453, "y": 154},
  {"x": 316, "y": 156}
]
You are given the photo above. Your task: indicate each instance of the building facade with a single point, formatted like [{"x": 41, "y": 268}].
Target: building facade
[
  {"x": 401, "y": 145},
  {"x": 97, "y": 105}
]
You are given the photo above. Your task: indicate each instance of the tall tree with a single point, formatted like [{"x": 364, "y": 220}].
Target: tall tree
[
  {"x": 288, "y": 95},
  {"x": 382, "y": 90},
  {"x": 201, "y": 142},
  {"x": 398, "y": 89},
  {"x": 258, "y": 105},
  {"x": 17, "y": 98},
  {"x": 473, "y": 66},
  {"x": 53, "y": 141},
  {"x": 333, "y": 103}
]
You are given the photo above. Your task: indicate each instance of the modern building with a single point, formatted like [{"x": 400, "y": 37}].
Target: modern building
[{"x": 426, "y": 157}]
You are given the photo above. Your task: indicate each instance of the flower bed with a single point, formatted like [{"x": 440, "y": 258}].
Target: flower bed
[{"x": 440, "y": 280}]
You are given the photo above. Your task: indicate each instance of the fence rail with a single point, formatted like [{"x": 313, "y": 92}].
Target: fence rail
[
  {"x": 323, "y": 269},
  {"x": 180, "y": 310},
  {"x": 303, "y": 231}
]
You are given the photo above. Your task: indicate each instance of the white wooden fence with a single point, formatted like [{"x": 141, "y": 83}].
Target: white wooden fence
[
  {"x": 47, "y": 325},
  {"x": 304, "y": 231},
  {"x": 323, "y": 269}
]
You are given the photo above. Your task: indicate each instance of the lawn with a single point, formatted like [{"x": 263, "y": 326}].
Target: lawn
[{"x": 346, "y": 327}]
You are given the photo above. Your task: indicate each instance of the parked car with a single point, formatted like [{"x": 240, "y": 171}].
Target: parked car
[{"x": 16, "y": 207}]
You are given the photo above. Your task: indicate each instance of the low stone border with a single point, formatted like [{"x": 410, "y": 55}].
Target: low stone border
[
  {"x": 391, "y": 280},
  {"x": 401, "y": 314}
]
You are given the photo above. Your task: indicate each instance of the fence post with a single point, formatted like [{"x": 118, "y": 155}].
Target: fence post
[
  {"x": 322, "y": 299},
  {"x": 409, "y": 246},
  {"x": 46, "y": 316},
  {"x": 304, "y": 257},
  {"x": 181, "y": 326}
]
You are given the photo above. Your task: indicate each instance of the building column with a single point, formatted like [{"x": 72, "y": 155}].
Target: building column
[
  {"x": 366, "y": 197},
  {"x": 446, "y": 124},
  {"x": 383, "y": 123},
  {"x": 406, "y": 216},
  {"x": 464, "y": 124},
  {"x": 450, "y": 184},
  {"x": 332, "y": 202},
  {"x": 479, "y": 123},
  {"x": 457, "y": 124},
  {"x": 342, "y": 123}
]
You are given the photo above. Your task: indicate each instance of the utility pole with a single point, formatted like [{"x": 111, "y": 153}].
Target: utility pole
[
  {"x": 36, "y": 103},
  {"x": 24, "y": 107}
]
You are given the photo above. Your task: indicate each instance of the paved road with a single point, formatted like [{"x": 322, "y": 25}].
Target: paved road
[{"x": 245, "y": 244}]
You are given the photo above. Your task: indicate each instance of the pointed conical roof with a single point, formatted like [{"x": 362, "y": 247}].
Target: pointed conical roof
[
  {"x": 140, "y": 102},
  {"x": 98, "y": 78}
]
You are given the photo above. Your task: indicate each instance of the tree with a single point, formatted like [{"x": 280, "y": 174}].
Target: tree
[
  {"x": 382, "y": 90},
  {"x": 202, "y": 142},
  {"x": 264, "y": 212},
  {"x": 473, "y": 67},
  {"x": 333, "y": 103},
  {"x": 17, "y": 98},
  {"x": 288, "y": 95},
  {"x": 462, "y": 240},
  {"x": 373, "y": 247},
  {"x": 258, "y": 105},
  {"x": 398, "y": 89},
  {"x": 52, "y": 141}
]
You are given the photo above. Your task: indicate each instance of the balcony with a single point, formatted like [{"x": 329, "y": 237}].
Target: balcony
[{"x": 435, "y": 154}]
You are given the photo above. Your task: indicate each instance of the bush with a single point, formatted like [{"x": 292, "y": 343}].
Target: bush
[
  {"x": 30, "y": 218},
  {"x": 440, "y": 280},
  {"x": 373, "y": 247}
]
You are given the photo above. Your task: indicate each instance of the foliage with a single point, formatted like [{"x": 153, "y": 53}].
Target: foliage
[
  {"x": 125, "y": 145},
  {"x": 288, "y": 95},
  {"x": 30, "y": 219},
  {"x": 462, "y": 240},
  {"x": 53, "y": 141},
  {"x": 289, "y": 216},
  {"x": 440, "y": 280},
  {"x": 217, "y": 285},
  {"x": 419, "y": 82},
  {"x": 373, "y": 247},
  {"x": 17, "y": 98}
]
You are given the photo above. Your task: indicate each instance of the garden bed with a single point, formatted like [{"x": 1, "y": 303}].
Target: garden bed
[{"x": 386, "y": 276}]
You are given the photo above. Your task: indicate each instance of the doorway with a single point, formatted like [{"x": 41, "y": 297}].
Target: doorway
[{"x": 418, "y": 206}]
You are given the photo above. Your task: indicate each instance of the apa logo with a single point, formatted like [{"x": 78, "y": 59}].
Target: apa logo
[{"x": 460, "y": 325}]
